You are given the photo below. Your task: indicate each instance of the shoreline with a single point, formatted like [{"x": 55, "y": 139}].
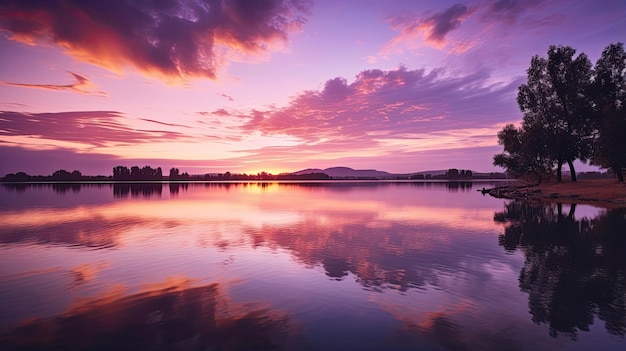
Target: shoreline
[
  {"x": 233, "y": 181},
  {"x": 608, "y": 193}
]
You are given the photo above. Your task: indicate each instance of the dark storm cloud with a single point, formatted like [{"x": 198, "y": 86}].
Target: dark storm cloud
[{"x": 168, "y": 38}]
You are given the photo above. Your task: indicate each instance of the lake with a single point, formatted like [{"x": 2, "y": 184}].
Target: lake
[{"x": 306, "y": 266}]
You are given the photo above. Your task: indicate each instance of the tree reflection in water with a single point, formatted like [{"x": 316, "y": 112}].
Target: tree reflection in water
[
  {"x": 574, "y": 270},
  {"x": 173, "y": 317},
  {"x": 146, "y": 190}
]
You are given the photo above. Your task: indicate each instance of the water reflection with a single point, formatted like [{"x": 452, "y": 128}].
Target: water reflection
[
  {"x": 574, "y": 270},
  {"x": 147, "y": 190},
  {"x": 176, "y": 187},
  {"x": 363, "y": 266},
  {"x": 440, "y": 331},
  {"x": 59, "y": 188},
  {"x": 78, "y": 227},
  {"x": 331, "y": 229},
  {"x": 380, "y": 254},
  {"x": 172, "y": 316}
]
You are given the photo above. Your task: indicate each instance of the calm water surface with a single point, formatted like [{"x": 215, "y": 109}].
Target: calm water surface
[{"x": 306, "y": 266}]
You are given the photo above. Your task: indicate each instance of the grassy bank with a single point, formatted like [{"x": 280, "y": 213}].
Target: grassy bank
[{"x": 600, "y": 192}]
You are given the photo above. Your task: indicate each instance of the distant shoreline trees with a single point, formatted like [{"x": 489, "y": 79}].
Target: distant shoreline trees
[
  {"x": 571, "y": 112},
  {"x": 58, "y": 176},
  {"x": 149, "y": 174},
  {"x": 135, "y": 174}
]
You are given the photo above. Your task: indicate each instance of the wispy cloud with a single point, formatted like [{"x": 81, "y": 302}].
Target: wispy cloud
[
  {"x": 508, "y": 11},
  {"x": 87, "y": 128},
  {"x": 460, "y": 27},
  {"x": 81, "y": 85},
  {"x": 164, "y": 123},
  {"x": 227, "y": 97},
  {"x": 170, "y": 39}
]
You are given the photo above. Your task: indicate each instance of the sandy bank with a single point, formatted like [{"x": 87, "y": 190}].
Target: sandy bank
[{"x": 601, "y": 192}]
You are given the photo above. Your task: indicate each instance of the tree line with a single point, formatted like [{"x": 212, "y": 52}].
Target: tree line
[
  {"x": 147, "y": 173},
  {"x": 58, "y": 176},
  {"x": 571, "y": 111}
]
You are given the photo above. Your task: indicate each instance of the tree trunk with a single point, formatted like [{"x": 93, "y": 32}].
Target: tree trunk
[
  {"x": 559, "y": 164},
  {"x": 619, "y": 173},
  {"x": 571, "y": 168},
  {"x": 572, "y": 209}
]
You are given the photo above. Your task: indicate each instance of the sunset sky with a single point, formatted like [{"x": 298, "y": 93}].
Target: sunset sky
[{"x": 246, "y": 86}]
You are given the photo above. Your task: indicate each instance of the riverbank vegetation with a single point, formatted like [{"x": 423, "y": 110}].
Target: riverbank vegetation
[
  {"x": 598, "y": 192},
  {"x": 149, "y": 174},
  {"x": 571, "y": 111}
]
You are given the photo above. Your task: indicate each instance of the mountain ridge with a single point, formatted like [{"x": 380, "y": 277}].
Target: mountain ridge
[{"x": 356, "y": 173}]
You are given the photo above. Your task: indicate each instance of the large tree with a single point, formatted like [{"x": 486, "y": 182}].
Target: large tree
[
  {"x": 608, "y": 91},
  {"x": 554, "y": 102},
  {"x": 525, "y": 151}
]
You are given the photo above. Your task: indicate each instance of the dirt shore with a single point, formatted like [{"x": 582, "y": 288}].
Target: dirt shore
[{"x": 602, "y": 192}]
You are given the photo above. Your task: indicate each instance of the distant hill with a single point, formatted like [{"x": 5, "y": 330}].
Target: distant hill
[
  {"x": 432, "y": 173},
  {"x": 347, "y": 172}
]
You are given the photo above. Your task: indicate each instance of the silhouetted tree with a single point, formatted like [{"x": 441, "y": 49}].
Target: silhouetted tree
[
  {"x": 17, "y": 177},
  {"x": 608, "y": 91},
  {"x": 174, "y": 173},
  {"x": 554, "y": 100},
  {"x": 121, "y": 173},
  {"x": 524, "y": 151},
  {"x": 453, "y": 173},
  {"x": 61, "y": 174},
  {"x": 76, "y": 175},
  {"x": 135, "y": 173}
]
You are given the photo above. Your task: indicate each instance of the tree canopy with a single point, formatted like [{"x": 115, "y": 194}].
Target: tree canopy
[
  {"x": 571, "y": 111},
  {"x": 608, "y": 93}
]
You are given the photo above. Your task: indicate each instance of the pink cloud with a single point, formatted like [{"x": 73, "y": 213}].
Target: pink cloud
[
  {"x": 169, "y": 39},
  {"x": 392, "y": 103}
]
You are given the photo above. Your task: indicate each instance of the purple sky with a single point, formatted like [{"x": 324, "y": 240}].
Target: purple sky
[{"x": 276, "y": 85}]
